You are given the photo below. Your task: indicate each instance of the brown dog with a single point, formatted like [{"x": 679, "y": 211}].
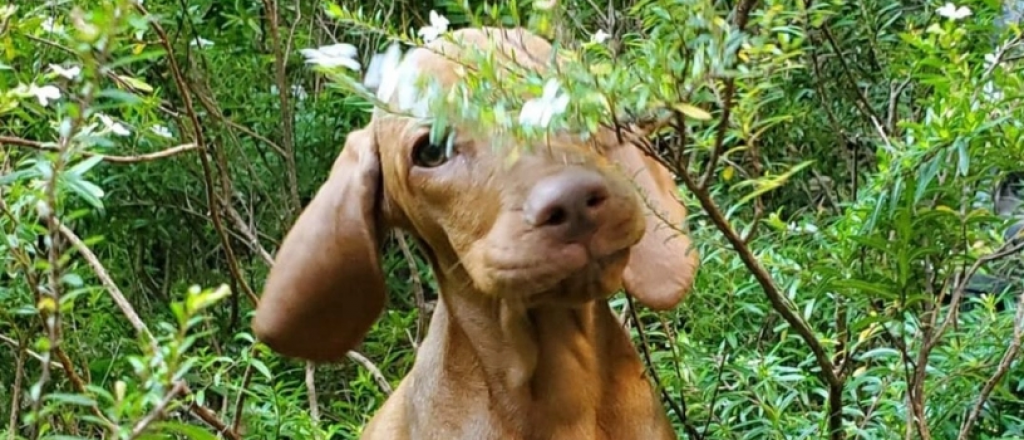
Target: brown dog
[{"x": 523, "y": 344}]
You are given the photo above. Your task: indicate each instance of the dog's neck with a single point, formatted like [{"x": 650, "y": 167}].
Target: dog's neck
[{"x": 552, "y": 365}]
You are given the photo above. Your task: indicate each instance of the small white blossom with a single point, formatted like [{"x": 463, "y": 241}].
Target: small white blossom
[
  {"x": 539, "y": 111},
  {"x": 161, "y": 131},
  {"x": 438, "y": 26},
  {"x": 383, "y": 72},
  {"x": 69, "y": 73},
  {"x": 807, "y": 228},
  {"x": 50, "y": 25},
  {"x": 950, "y": 11},
  {"x": 341, "y": 54},
  {"x": 991, "y": 93},
  {"x": 991, "y": 60},
  {"x": 44, "y": 94},
  {"x": 600, "y": 37},
  {"x": 299, "y": 92},
  {"x": 544, "y": 5},
  {"x": 114, "y": 126},
  {"x": 7, "y": 11},
  {"x": 201, "y": 42}
]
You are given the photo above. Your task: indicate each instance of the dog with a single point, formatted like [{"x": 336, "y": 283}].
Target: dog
[{"x": 523, "y": 343}]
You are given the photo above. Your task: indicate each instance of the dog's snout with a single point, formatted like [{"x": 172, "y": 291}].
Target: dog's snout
[{"x": 568, "y": 205}]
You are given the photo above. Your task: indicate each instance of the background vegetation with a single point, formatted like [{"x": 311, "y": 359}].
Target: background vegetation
[{"x": 848, "y": 166}]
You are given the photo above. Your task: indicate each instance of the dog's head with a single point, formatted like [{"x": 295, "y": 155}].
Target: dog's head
[{"x": 566, "y": 223}]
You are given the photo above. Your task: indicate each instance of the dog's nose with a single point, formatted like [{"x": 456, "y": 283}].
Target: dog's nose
[{"x": 568, "y": 205}]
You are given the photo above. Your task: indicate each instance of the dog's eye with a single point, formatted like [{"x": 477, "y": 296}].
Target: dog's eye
[{"x": 428, "y": 153}]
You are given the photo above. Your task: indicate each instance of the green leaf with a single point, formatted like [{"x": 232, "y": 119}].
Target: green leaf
[
  {"x": 136, "y": 83},
  {"x": 191, "y": 431},
  {"x": 71, "y": 399},
  {"x": 693, "y": 112},
  {"x": 84, "y": 166},
  {"x": 262, "y": 368},
  {"x": 88, "y": 191}
]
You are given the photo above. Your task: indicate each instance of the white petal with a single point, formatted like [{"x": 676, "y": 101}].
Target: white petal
[
  {"x": 161, "y": 131},
  {"x": 428, "y": 33},
  {"x": 348, "y": 62},
  {"x": 119, "y": 129},
  {"x": 531, "y": 112},
  {"x": 343, "y": 50},
  {"x": 310, "y": 53},
  {"x": 107, "y": 122},
  {"x": 946, "y": 10},
  {"x": 438, "y": 21},
  {"x": 299, "y": 92},
  {"x": 70, "y": 73},
  {"x": 201, "y": 42},
  {"x": 550, "y": 89},
  {"x": 44, "y": 94}
]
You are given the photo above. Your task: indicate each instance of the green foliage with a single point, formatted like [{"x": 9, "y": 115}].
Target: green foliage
[{"x": 838, "y": 159}]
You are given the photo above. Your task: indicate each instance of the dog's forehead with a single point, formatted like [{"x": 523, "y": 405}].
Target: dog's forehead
[{"x": 441, "y": 63}]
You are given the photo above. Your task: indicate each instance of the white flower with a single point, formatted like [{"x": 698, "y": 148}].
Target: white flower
[
  {"x": 600, "y": 37},
  {"x": 991, "y": 60},
  {"x": 161, "y": 131},
  {"x": 438, "y": 26},
  {"x": 50, "y": 25},
  {"x": 952, "y": 12},
  {"x": 544, "y": 5},
  {"x": 383, "y": 72},
  {"x": 201, "y": 42},
  {"x": 44, "y": 94},
  {"x": 70, "y": 73},
  {"x": 341, "y": 54},
  {"x": 299, "y": 92},
  {"x": 114, "y": 126},
  {"x": 990, "y": 92},
  {"x": 807, "y": 228},
  {"x": 539, "y": 111}
]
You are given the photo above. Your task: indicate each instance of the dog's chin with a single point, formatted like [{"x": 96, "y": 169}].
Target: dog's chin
[{"x": 567, "y": 278}]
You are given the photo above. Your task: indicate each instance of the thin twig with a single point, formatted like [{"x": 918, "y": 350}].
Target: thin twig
[
  {"x": 236, "y": 423},
  {"x": 158, "y": 411},
  {"x": 210, "y": 418},
  {"x": 19, "y": 376},
  {"x": 284, "y": 92},
  {"x": 108, "y": 283},
  {"x": 197, "y": 132},
  {"x": 741, "y": 16},
  {"x": 862, "y": 100},
  {"x": 314, "y": 405},
  {"x": 382, "y": 382},
  {"x": 148, "y": 157},
  {"x": 417, "y": 287},
  {"x": 691, "y": 430}
]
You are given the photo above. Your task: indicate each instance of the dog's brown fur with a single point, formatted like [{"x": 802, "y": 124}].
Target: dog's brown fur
[{"x": 523, "y": 344}]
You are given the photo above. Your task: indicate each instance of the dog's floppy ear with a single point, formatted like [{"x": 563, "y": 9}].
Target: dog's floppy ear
[
  {"x": 662, "y": 266},
  {"x": 326, "y": 287}
]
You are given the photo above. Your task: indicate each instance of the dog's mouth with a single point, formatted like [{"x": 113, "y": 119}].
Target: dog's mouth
[{"x": 570, "y": 275}]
